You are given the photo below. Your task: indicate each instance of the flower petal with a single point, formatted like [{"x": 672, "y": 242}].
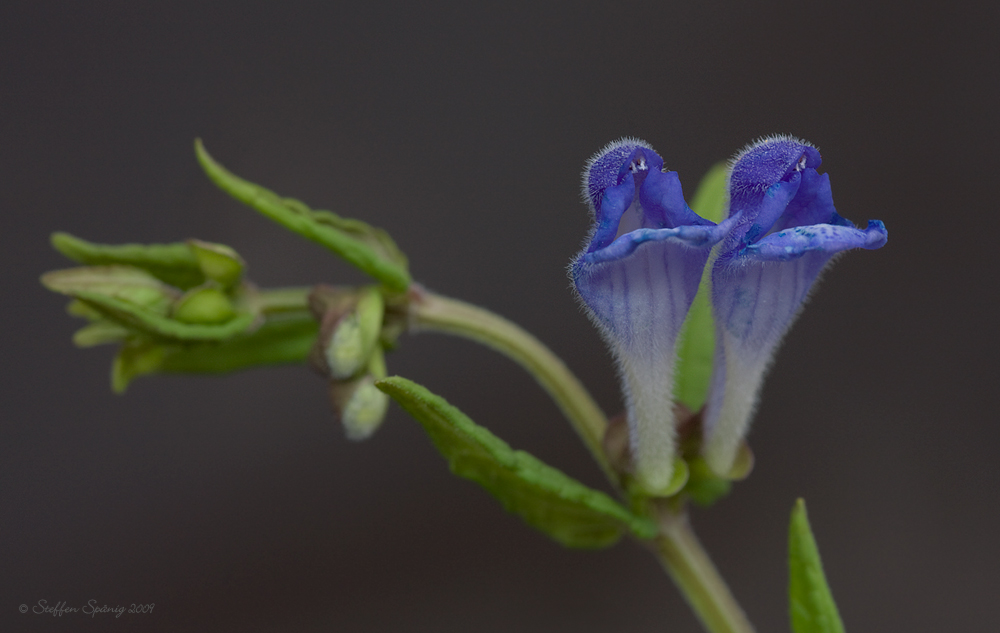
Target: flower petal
[
  {"x": 638, "y": 291},
  {"x": 795, "y": 242},
  {"x": 787, "y": 231}
]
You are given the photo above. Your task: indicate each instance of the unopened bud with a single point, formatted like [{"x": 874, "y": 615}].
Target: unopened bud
[
  {"x": 359, "y": 404},
  {"x": 205, "y": 304},
  {"x": 349, "y": 333}
]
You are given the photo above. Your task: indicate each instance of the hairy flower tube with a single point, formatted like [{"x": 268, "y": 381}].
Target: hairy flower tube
[
  {"x": 785, "y": 231},
  {"x": 637, "y": 276}
]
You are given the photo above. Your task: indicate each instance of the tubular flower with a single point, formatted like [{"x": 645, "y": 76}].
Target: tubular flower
[
  {"x": 785, "y": 231},
  {"x": 637, "y": 276}
]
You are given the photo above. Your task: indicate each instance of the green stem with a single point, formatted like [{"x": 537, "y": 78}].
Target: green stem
[
  {"x": 688, "y": 564},
  {"x": 429, "y": 311},
  {"x": 676, "y": 546},
  {"x": 283, "y": 299}
]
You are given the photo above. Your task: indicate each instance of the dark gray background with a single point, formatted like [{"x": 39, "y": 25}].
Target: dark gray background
[{"x": 235, "y": 503}]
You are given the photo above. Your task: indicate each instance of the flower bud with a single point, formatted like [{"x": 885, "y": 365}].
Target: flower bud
[
  {"x": 218, "y": 262},
  {"x": 350, "y": 326},
  {"x": 358, "y": 403},
  {"x": 205, "y": 304}
]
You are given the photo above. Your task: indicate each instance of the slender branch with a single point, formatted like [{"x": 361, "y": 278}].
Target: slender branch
[
  {"x": 283, "y": 299},
  {"x": 429, "y": 311},
  {"x": 688, "y": 564},
  {"x": 676, "y": 546}
]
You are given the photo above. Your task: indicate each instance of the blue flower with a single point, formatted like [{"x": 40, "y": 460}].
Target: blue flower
[
  {"x": 785, "y": 231},
  {"x": 637, "y": 276}
]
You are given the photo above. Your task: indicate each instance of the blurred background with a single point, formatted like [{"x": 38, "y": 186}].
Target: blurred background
[{"x": 236, "y": 504}]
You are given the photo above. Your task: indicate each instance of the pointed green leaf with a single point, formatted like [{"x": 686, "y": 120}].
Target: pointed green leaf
[
  {"x": 98, "y": 333},
  {"x": 364, "y": 246},
  {"x": 811, "y": 604},
  {"x": 547, "y": 499},
  {"x": 697, "y": 340},
  {"x": 174, "y": 264},
  {"x": 284, "y": 338}
]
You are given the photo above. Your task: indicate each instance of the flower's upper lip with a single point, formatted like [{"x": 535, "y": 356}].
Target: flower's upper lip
[{"x": 768, "y": 162}]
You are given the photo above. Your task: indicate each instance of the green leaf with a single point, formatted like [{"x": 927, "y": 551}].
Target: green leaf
[
  {"x": 697, "y": 346},
  {"x": 811, "y": 604},
  {"x": 174, "y": 264},
  {"x": 711, "y": 199},
  {"x": 547, "y": 499},
  {"x": 282, "y": 339},
  {"x": 364, "y": 246}
]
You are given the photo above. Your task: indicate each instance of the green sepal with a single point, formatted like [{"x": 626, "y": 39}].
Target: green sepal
[
  {"x": 811, "y": 604},
  {"x": 547, "y": 499},
  {"x": 174, "y": 264},
  {"x": 364, "y": 246},
  {"x": 98, "y": 333},
  {"x": 135, "y": 358},
  {"x": 697, "y": 338},
  {"x": 704, "y": 487},
  {"x": 80, "y": 309},
  {"x": 126, "y": 284},
  {"x": 218, "y": 262},
  {"x": 678, "y": 478}
]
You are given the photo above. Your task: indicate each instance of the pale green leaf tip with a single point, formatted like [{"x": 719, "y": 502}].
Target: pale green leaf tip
[{"x": 811, "y": 605}]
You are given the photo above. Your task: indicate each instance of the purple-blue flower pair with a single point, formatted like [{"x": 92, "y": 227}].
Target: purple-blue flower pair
[{"x": 644, "y": 262}]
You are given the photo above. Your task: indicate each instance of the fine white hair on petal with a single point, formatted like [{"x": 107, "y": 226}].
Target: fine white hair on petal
[
  {"x": 771, "y": 138},
  {"x": 610, "y": 147},
  {"x": 760, "y": 140}
]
